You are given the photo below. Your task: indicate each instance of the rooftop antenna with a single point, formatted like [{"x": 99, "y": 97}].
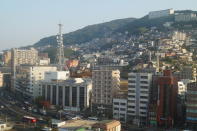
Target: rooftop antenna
[{"x": 60, "y": 49}]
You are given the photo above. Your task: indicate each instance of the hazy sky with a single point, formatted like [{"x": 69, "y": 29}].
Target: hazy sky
[{"x": 24, "y": 22}]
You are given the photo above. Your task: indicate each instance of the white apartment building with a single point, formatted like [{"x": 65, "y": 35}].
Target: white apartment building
[
  {"x": 28, "y": 78},
  {"x": 72, "y": 94},
  {"x": 120, "y": 109},
  {"x": 138, "y": 97},
  {"x": 161, "y": 13}
]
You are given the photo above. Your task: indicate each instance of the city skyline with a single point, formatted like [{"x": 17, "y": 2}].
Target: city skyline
[{"x": 25, "y": 23}]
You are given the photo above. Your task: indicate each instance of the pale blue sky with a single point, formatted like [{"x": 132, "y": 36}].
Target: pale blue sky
[{"x": 24, "y": 22}]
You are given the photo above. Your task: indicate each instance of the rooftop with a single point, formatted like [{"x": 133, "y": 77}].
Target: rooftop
[{"x": 75, "y": 124}]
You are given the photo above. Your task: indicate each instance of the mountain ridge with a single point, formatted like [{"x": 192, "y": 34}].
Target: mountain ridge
[
  {"x": 87, "y": 33},
  {"x": 91, "y": 32}
]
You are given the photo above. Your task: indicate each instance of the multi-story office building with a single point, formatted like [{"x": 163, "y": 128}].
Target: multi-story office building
[
  {"x": 71, "y": 94},
  {"x": 105, "y": 85},
  {"x": 166, "y": 99},
  {"x": 138, "y": 97},
  {"x": 191, "y": 103},
  {"x": 28, "y": 78}
]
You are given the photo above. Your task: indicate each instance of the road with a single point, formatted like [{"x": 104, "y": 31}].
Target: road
[{"x": 12, "y": 111}]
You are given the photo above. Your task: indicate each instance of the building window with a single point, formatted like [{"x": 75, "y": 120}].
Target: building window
[
  {"x": 132, "y": 76},
  {"x": 143, "y": 97},
  {"x": 131, "y": 107},
  {"x": 131, "y": 86},
  {"x": 144, "y": 77},
  {"x": 131, "y": 101},
  {"x": 60, "y": 92},
  {"x": 131, "y": 81},
  {"x": 144, "y": 108},
  {"x": 116, "y": 108},
  {"x": 54, "y": 95},
  {"x": 144, "y": 87},
  {"x": 144, "y": 82},
  {"x": 131, "y": 91},
  {"x": 116, "y": 103},
  {"x": 131, "y": 96},
  {"x": 122, "y": 109},
  {"x": 144, "y": 92},
  {"x": 143, "y": 102},
  {"x": 67, "y": 97},
  {"x": 74, "y": 96},
  {"x": 123, "y": 104},
  {"x": 131, "y": 111}
]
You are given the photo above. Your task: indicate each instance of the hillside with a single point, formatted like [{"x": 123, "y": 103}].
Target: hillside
[
  {"x": 136, "y": 26},
  {"x": 87, "y": 33}
]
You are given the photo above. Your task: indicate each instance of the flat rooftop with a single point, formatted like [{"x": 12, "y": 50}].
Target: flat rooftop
[{"x": 75, "y": 124}]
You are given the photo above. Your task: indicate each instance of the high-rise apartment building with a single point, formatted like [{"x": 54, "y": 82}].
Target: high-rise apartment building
[
  {"x": 138, "y": 97},
  {"x": 105, "y": 84},
  {"x": 24, "y": 56}
]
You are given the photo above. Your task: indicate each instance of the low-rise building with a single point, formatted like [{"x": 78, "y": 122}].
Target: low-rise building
[
  {"x": 77, "y": 125},
  {"x": 107, "y": 125},
  {"x": 70, "y": 94}
]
